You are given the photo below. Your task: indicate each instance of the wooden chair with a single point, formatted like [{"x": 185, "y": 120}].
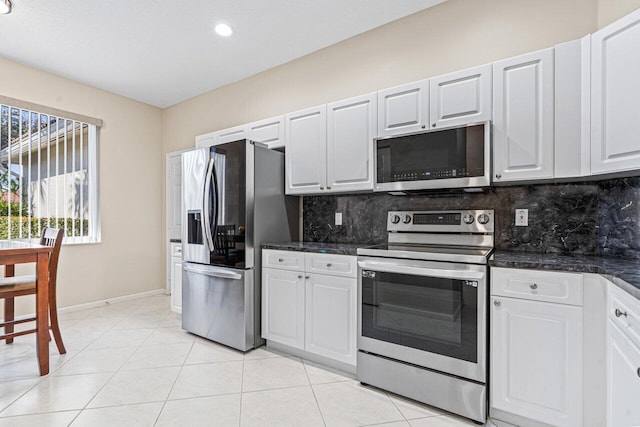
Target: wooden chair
[{"x": 15, "y": 286}]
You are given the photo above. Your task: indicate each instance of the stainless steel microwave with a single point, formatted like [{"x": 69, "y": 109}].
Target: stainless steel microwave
[{"x": 451, "y": 158}]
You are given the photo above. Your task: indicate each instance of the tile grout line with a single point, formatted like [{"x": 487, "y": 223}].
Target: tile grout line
[
  {"x": 313, "y": 391},
  {"x": 164, "y": 404},
  {"x": 241, "y": 392}
]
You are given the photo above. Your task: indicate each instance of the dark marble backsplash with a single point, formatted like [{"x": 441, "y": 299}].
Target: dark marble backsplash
[{"x": 591, "y": 218}]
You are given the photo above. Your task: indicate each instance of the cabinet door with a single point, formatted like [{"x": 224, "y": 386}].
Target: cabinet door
[
  {"x": 536, "y": 360},
  {"x": 232, "y": 134},
  {"x": 176, "y": 284},
  {"x": 206, "y": 140},
  {"x": 572, "y": 131},
  {"x": 331, "y": 317},
  {"x": 523, "y": 112},
  {"x": 460, "y": 98},
  {"x": 623, "y": 379},
  {"x": 283, "y": 307},
  {"x": 615, "y": 115},
  {"x": 403, "y": 109},
  {"x": 174, "y": 196},
  {"x": 268, "y": 131},
  {"x": 351, "y": 127},
  {"x": 306, "y": 151}
]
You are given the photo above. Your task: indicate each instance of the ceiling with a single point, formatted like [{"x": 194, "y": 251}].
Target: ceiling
[{"x": 162, "y": 52}]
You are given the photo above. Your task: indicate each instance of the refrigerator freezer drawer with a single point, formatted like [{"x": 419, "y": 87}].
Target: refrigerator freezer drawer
[{"x": 217, "y": 304}]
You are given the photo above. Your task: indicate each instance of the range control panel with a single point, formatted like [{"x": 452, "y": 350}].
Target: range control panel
[{"x": 462, "y": 221}]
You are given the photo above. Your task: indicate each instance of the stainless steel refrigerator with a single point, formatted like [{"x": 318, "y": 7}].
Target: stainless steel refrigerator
[{"x": 233, "y": 201}]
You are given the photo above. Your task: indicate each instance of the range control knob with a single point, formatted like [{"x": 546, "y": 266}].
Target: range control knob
[
  {"x": 407, "y": 219},
  {"x": 395, "y": 219},
  {"x": 483, "y": 218},
  {"x": 468, "y": 219}
]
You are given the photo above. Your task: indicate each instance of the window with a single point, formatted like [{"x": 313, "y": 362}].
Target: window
[{"x": 47, "y": 175}]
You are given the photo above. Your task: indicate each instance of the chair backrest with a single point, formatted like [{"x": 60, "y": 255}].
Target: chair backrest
[{"x": 52, "y": 237}]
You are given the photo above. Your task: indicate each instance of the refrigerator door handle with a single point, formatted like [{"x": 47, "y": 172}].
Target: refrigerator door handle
[
  {"x": 213, "y": 272},
  {"x": 206, "y": 224},
  {"x": 216, "y": 207}
]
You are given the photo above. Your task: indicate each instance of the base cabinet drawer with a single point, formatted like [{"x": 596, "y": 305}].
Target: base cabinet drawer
[
  {"x": 286, "y": 260},
  {"x": 537, "y": 285},
  {"x": 338, "y": 265}
]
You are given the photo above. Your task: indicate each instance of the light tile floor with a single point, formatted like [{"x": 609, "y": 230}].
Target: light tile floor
[{"x": 131, "y": 364}]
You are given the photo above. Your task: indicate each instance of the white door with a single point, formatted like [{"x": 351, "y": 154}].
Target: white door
[
  {"x": 176, "y": 284},
  {"x": 232, "y": 134},
  {"x": 623, "y": 377},
  {"x": 351, "y": 127},
  {"x": 174, "y": 195},
  {"x": 306, "y": 151},
  {"x": 523, "y": 111},
  {"x": 615, "y": 90},
  {"x": 460, "y": 98},
  {"x": 403, "y": 109},
  {"x": 330, "y": 328},
  {"x": 283, "y": 307},
  {"x": 536, "y": 360},
  {"x": 268, "y": 131}
]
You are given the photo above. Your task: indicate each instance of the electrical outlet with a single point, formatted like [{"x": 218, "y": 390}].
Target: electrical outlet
[
  {"x": 522, "y": 217},
  {"x": 338, "y": 218}
]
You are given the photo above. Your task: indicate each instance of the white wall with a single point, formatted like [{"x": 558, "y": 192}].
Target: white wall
[{"x": 130, "y": 258}]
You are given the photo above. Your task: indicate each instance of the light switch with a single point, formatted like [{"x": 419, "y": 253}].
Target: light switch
[
  {"x": 338, "y": 218},
  {"x": 522, "y": 217}
]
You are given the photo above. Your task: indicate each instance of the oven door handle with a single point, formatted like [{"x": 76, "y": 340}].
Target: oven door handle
[{"x": 385, "y": 267}]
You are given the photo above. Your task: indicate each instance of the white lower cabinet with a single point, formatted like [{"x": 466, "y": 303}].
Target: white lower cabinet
[
  {"x": 176, "y": 277},
  {"x": 536, "y": 360},
  {"x": 310, "y": 311},
  {"x": 283, "y": 302},
  {"x": 330, "y": 323},
  {"x": 623, "y": 359}
]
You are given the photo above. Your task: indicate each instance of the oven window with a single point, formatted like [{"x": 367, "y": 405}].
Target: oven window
[
  {"x": 432, "y": 314},
  {"x": 451, "y": 153}
]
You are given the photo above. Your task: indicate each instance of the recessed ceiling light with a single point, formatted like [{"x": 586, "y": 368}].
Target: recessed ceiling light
[
  {"x": 223, "y": 30},
  {"x": 5, "y": 6}
]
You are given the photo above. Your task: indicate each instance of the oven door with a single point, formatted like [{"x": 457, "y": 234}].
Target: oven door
[{"x": 431, "y": 314}]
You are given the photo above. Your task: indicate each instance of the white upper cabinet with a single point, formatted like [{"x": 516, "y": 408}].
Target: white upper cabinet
[
  {"x": 206, "y": 140},
  {"x": 460, "y": 98},
  {"x": 523, "y": 114},
  {"x": 403, "y": 109},
  {"x": 174, "y": 195},
  {"x": 615, "y": 90},
  {"x": 268, "y": 131},
  {"x": 306, "y": 153},
  {"x": 572, "y": 148},
  {"x": 232, "y": 134},
  {"x": 351, "y": 127}
]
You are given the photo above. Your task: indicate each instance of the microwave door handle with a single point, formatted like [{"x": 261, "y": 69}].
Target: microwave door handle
[
  {"x": 206, "y": 224},
  {"x": 385, "y": 267}
]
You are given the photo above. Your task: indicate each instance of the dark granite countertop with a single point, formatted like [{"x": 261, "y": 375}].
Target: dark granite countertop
[
  {"x": 623, "y": 272},
  {"x": 322, "y": 248}
]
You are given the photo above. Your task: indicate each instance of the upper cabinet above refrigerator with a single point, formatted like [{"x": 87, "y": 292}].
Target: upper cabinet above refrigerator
[{"x": 460, "y": 98}]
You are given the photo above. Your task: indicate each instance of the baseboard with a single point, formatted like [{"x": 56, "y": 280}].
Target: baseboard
[
  {"x": 341, "y": 366},
  {"x": 103, "y": 302}
]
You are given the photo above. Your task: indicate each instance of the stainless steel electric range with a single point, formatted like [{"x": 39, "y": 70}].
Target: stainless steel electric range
[{"x": 422, "y": 315}]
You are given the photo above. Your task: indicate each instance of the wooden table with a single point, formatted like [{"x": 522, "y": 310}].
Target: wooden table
[{"x": 11, "y": 253}]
